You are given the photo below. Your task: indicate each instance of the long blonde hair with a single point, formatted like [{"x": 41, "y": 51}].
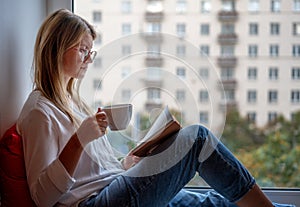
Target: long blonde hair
[{"x": 59, "y": 32}]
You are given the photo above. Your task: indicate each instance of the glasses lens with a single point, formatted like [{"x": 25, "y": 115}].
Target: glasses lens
[
  {"x": 90, "y": 55},
  {"x": 93, "y": 55}
]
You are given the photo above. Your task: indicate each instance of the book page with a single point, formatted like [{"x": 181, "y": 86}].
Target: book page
[{"x": 159, "y": 124}]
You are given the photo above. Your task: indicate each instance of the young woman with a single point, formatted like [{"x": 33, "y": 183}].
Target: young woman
[{"x": 69, "y": 161}]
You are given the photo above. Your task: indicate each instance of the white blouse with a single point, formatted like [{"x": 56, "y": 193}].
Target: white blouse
[{"x": 45, "y": 131}]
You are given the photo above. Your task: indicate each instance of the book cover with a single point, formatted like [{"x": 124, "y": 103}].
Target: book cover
[{"x": 163, "y": 127}]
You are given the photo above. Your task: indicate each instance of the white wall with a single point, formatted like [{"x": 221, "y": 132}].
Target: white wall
[{"x": 19, "y": 23}]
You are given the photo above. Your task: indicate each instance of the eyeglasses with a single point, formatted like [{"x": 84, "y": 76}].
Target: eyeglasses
[{"x": 86, "y": 54}]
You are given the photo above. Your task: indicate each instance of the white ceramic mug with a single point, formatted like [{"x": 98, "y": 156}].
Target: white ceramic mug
[{"x": 118, "y": 116}]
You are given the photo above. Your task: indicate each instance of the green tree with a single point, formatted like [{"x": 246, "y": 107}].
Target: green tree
[
  {"x": 276, "y": 161},
  {"x": 240, "y": 134}
]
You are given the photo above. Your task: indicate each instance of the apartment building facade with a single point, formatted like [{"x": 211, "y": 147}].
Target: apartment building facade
[{"x": 199, "y": 57}]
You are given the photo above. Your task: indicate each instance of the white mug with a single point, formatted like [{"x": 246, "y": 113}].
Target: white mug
[{"x": 118, "y": 116}]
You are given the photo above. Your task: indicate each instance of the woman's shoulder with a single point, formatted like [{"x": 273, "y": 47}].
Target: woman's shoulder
[{"x": 37, "y": 103}]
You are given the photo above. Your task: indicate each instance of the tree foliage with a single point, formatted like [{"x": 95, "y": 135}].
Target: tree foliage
[{"x": 275, "y": 161}]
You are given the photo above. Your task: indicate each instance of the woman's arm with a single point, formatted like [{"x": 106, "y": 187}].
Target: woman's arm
[{"x": 71, "y": 153}]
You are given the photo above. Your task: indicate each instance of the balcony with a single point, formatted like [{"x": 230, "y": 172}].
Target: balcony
[
  {"x": 154, "y": 16},
  {"x": 226, "y": 39},
  {"x": 225, "y": 61},
  {"x": 228, "y": 105},
  {"x": 152, "y": 37},
  {"x": 154, "y": 61},
  {"x": 228, "y": 84},
  {"x": 228, "y": 16},
  {"x": 150, "y": 82},
  {"x": 151, "y": 104}
]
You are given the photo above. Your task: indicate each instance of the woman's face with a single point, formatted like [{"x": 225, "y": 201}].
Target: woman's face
[{"x": 75, "y": 61}]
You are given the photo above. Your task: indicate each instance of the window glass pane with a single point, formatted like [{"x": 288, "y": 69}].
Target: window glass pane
[
  {"x": 204, "y": 29},
  {"x": 181, "y": 6},
  {"x": 296, "y": 28},
  {"x": 253, "y": 5},
  {"x": 205, "y": 6},
  {"x": 215, "y": 56},
  {"x": 253, "y": 29},
  {"x": 275, "y": 5},
  {"x": 296, "y": 5},
  {"x": 126, "y": 6}
]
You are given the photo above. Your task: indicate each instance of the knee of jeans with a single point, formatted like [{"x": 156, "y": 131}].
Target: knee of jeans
[{"x": 195, "y": 132}]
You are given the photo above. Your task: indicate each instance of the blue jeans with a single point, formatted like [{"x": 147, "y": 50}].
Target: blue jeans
[{"x": 158, "y": 180}]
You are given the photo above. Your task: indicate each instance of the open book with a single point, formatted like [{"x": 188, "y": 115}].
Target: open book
[{"x": 163, "y": 127}]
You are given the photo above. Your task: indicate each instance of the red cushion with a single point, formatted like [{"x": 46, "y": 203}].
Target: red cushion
[{"x": 13, "y": 183}]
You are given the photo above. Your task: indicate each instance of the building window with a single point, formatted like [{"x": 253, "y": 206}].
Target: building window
[
  {"x": 180, "y": 72},
  {"x": 181, "y": 6},
  {"x": 252, "y": 50},
  {"x": 154, "y": 6},
  {"x": 98, "y": 39},
  {"x": 273, "y": 96},
  {"x": 253, "y": 29},
  {"x": 227, "y": 51},
  {"x": 203, "y": 96},
  {"x": 229, "y": 95},
  {"x": 295, "y": 73},
  {"x": 153, "y": 50},
  {"x": 181, "y": 50},
  {"x": 295, "y": 96},
  {"x": 275, "y": 5},
  {"x": 126, "y": 94},
  {"x": 296, "y": 50},
  {"x": 126, "y": 6},
  {"x": 180, "y": 95},
  {"x": 180, "y": 29},
  {"x": 272, "y": 116},
  {"x": 251, "y": 116},
  {"x": 153, "y": 27},
  {"x": 126, "y": 29},
  {"x": 252, "y": 96},
  {"x": 296, "y": 28},
  {"x": 125, "y": 71},
  {"x": 97, "y": 63},
  {"x": 252, "y": 73},
  {"x": 274, "y": 50},
  {"x": 227, "y": 73},
  {"x": 154, "y": 95},
  {"x": 204, "y": 73},
  {"x": 126, "y": 49},
  {"x": 274, "y": 28},
  {"x": 273, "y": 73},
  {"x": 227, "y": 28},
  {"x": 253, "y": 6},
  {"x": 205, "y": 6},
  {"x": 204, "y": 50},
  {"x": 228, "y": 5},
  {"x": 204, "y": 29},
  {"x": 154, "y": 73},
  {"x": 296, "y": 5},
  {"x": 97, "y": 85},
  {"x": 97, "y": 16},
  {"x": 203, "y": 115}
]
